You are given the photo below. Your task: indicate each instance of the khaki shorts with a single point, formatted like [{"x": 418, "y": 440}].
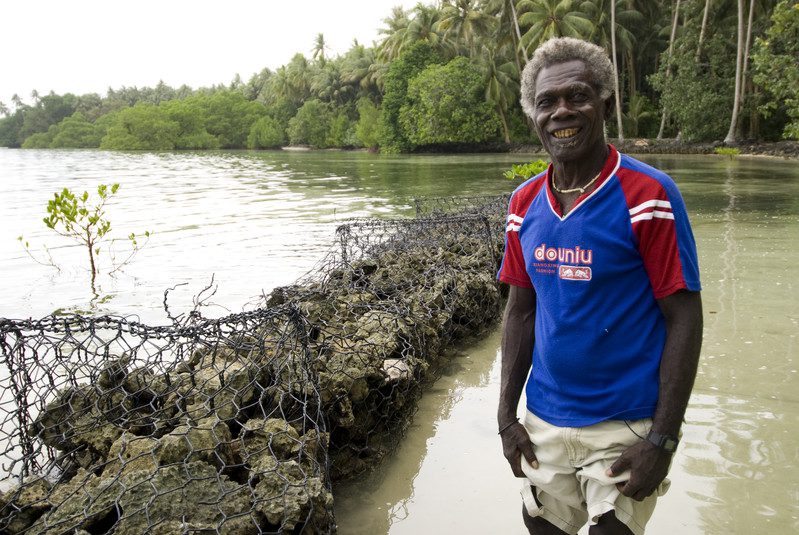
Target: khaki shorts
[{"x": 570, "y": 488}]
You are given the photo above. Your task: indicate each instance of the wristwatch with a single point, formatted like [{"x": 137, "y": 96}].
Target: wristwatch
[{"x": 667, "y": 443}]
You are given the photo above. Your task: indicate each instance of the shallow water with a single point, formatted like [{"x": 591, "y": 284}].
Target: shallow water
[{"x": 257, "y": 220}]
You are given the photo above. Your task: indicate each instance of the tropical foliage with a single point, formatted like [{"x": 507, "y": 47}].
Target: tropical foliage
[{"x": 448, "y": 72}]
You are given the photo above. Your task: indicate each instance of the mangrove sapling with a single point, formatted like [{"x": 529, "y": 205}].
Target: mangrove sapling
[
  {"x": 525, "y": 171},
  {"x": 85, "y": 222}
]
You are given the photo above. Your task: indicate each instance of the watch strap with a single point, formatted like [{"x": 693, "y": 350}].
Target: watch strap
[{"x": 667, "y": 443}]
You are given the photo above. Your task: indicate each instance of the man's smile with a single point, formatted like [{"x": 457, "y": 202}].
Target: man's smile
[{"x": 565, "y": 133}]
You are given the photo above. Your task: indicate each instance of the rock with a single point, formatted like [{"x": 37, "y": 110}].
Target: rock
[
  {"x": 22, "y": 506},
  {"x": 288, "y": 496},
  {"x": 78, "y": 419},
  {"x": 192, "y": 494},
  {"x": 132, "y": 453},
  {"x": 209, "y": 440},
  {"x": 396, "y": 370},
  {"x": 273, "y": 438},
  {"x": 113, "y": 372}
]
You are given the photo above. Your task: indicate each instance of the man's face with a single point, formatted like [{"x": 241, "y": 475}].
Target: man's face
[{"x": 568, "y": 113}]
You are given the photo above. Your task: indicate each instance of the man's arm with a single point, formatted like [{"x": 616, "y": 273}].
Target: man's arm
[
  {"x": 517, "y": 355},
  {"x": 647, "y": 463}
]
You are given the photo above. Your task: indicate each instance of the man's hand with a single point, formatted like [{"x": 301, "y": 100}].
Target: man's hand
[
  {"x": 648, "y": 467},
  {"x": 515, "y": 443}
]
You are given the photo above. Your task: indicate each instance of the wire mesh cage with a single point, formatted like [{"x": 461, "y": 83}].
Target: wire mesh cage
[
  {"x": 384, "y": 306},
  {"x": 110, "y": 426},
  {"x": 240, "y": 424}
]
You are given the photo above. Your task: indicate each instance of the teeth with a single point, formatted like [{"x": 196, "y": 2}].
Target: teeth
[{"x": 566, "y": 132}]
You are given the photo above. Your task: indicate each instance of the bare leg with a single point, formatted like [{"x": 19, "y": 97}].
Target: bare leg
[
  {"x": 608, "y": 524},
  {"x": 539, "y": 526}
]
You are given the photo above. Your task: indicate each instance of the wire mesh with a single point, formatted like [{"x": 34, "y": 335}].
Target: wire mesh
[
  {"x": 110, "y": 426},
  {"x": 384, "y": 307},
  {"x": 240, "y": 424}
]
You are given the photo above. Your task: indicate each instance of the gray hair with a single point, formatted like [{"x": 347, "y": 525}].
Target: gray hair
[{"x": 562, "y": 49}]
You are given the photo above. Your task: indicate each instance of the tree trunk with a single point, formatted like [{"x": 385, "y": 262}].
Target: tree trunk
[
  {"x": 738, "y": 72},
  {"x": 518, "y": 32},
  {"x": 505, "y": 131},
  {"x": 668, "y": 68},
  {"x": 745, "y": 67},
  {"x": 615, "y": 68},
  {"x": 702, "y": 30},
  {"x": 631, "y": 74}
]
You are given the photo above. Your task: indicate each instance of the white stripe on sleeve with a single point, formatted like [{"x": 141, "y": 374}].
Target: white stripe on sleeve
[
  {"x": 650, "y": 215},
  {"x": 649, "y": 204}
]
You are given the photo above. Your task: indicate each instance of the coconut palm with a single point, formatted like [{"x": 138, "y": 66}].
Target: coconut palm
[
  {"x": 615, "y": 68},
  {"x": 423, "y": 25},
  {"x": 319, "y": 48},
  {"x": 702, "y": 29},
  {"x": 501, "y": 80},
  {"x": 638, "y": 110},
  {"x": 395, "y": 31},
  {"x": 675, "y": 18},
  {"x": 607, "y": 15},
  {"x": 739, "y": 60},
  {"x": 357, "y": 69},
  {"x": 544, "y": 19},
  {"x": 463, "y": 25},
  {"x": 508, "y": 28}
]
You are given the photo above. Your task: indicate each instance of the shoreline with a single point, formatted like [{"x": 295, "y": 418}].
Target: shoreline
[{"x": 775, "y": 149}]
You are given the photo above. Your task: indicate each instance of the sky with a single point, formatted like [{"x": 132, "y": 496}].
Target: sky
[{"x": 87, "y": 46}]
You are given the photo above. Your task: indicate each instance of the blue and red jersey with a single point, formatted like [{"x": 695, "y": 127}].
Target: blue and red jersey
[{"x": 597, "y": 273}]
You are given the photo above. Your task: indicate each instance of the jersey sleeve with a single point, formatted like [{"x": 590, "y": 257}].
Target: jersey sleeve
[
  {"x": 665, "y": 239},
  {"x": 513, "y": 270}
]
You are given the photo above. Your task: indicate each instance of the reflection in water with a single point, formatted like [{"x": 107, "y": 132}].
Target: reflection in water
[{"x": 261, "y": 219}]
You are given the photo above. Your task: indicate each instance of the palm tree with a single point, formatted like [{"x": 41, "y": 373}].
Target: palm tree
[
  {"x": 328, "y": 85},
  {"x": 638, "y": 109},
  {"x": 702, "y": 29},
  {"x": 508, "y": 28},
  {"x": 319, "y": 48},
  {"x": 738, "y": 72},
  {"x": 674, "y": 20},
  {"x": 501, "y": 81},
  {"x": 545, "y": 19},
  {"x": 615, "y": 68},
  {"x": 396, "y": 34},
  {"x": 423, "y": 25},
  {"x": 612, "y": 21},
  {"x": 16, "y": 101},
  {"x": 463, "y": 24},
  {"x": 356, "y": 69}
]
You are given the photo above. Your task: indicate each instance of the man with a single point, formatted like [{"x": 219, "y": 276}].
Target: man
[{"x": 604, "y": 305}]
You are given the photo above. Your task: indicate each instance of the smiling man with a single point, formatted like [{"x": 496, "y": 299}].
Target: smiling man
[{"x": 604, "y": 306}]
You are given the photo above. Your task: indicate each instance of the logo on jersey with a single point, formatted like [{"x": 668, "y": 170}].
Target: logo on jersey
[
  {"x": 569, "y": 263},
  {"x": 575, "y": 273}
]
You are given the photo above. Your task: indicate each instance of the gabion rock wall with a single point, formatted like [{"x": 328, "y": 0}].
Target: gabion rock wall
[
  {"x": 240, "y": 424},
  {"x": 116, "y": 427}
]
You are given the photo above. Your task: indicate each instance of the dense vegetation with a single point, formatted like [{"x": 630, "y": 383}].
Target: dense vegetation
[{"x": 448, "y": 73}]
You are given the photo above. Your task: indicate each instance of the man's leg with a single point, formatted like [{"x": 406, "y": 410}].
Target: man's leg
[
  {"x": 608, "y": 524},
  {"x": 539, "y": 526}
]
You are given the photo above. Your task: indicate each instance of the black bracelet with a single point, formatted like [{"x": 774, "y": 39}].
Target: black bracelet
[{"x": 507, "y": 426}]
